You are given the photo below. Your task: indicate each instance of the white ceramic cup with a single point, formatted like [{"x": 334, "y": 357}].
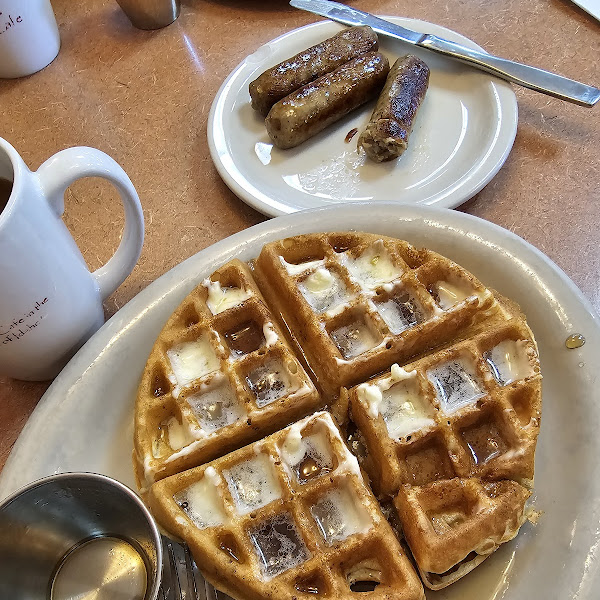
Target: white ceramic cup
[
  {"x": 50, "y": 303},
  {"x": 29, "y": 38}
]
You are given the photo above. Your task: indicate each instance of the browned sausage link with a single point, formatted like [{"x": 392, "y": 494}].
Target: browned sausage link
[
  {"x": 310, "y": 64},
  {"x": 313, "y": 107},
  {"x": 386, "y": 135}
]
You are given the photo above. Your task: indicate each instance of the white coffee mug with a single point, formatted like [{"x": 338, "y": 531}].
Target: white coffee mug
[
  {"x": 50, "y": 303},
  {"x": 29, "y": 38}
]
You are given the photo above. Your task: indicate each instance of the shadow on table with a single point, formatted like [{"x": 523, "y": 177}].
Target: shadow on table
[{"x": 243, "y": 5}]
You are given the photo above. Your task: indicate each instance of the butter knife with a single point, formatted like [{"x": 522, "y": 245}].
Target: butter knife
[{"x": 525, "y": 75}]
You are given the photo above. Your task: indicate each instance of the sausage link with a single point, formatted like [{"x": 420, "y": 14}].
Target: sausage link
[
  {"x": 313, "y": 107},
  {"x": 386, "y": 135},
  {"x": 310, "y": 64}
]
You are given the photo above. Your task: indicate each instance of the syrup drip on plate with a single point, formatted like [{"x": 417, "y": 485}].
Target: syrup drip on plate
[
  {"x": 574, "y": 341},
  {"x": 350, "y": 135}
]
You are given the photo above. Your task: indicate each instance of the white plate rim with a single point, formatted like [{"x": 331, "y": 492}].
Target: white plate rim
[
  {"x": 269, "y": 206},
  {"x": 572, "y": 310}
]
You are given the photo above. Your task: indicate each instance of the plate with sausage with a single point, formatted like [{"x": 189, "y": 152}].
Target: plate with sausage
[{"x": 324, "y": 115}]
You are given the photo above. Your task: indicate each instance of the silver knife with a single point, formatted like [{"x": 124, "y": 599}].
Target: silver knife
[{"x": 525, "y": 75}]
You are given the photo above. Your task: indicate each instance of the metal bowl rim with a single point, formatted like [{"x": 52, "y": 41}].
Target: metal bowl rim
[{"x": 152, "y": 593}]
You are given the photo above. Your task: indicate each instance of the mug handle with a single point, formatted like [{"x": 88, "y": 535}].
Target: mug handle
[{"x": 65, "y": 167}]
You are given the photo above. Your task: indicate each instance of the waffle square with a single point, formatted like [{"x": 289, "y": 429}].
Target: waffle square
[
  {"x": 356, "y": 303},
  {"x": 220, "y": 375},
  {"x": 453, "y": 525},
  {"x": 288, "y": 516},
  {"x": 471, "y": 410}
]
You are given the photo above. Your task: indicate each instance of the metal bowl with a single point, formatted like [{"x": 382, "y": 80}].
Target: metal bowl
[{"x": 78, "y": 535}]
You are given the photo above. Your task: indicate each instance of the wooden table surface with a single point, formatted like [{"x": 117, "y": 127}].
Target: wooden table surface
[{"x": 143, "y": 97}]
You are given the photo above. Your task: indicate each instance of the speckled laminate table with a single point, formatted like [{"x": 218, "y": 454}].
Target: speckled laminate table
[{"x": 143, "y": 97}]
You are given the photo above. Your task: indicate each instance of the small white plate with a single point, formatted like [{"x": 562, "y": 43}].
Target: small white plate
[
  {"x": 462, "y": 136},
  {"x": 84, "y": 422}
]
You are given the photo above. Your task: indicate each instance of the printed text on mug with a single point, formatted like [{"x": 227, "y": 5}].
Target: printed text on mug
[
  {"x": 22, "y": 325},
  {"x": 8, "y": 21}
]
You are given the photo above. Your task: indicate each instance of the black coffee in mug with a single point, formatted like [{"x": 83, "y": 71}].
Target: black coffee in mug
[{"x": 5, "y": 190}]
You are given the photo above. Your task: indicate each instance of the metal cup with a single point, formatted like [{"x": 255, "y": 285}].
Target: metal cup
[
  {"x": 78, "y": 535},
  {"x": 150, "y": 14}
]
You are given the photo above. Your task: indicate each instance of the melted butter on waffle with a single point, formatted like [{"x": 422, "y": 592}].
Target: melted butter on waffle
[
  {"x": 220, "y": 299},
  {"x": 373, "y": 267},
  {"x": 266, "y": 532},
  {"x": 296, "y": 269},
  {"x": 202, "y": 502},
  {"x": 358, "y": 303},
  {"x": 191, "y": 360},
  {"x": 398, "y": 399},
  {"x": 509, "y": 361},
  {"x": 434, "y": 378},
  {"x": 221, "y": 374},
  {"x": 448, "y": 295}
]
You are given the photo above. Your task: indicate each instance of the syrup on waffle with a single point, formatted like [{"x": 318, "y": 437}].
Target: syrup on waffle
[
  {"x": 287, "y": 517},
  {"x": 453, "y": 525},
  {"x": 469, "y": 410},
  {"x": 356, "y": 303},
  {"x": 219, "y": 376},
  {"x": 434, "y": 378}
]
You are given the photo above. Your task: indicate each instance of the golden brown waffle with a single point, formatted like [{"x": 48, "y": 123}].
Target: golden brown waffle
[
  {"x": 287, "y": 517},
  {"x": 219, "y": 376},
  {"x": 434, "y": 378},
  {"x": 355, "y": 303},
  {"x": 453, "y": 525},
  {"x": 472, "y": 409}
]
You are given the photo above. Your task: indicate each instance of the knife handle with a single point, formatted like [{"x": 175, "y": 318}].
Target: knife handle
[{"x": 529, "y": 77}]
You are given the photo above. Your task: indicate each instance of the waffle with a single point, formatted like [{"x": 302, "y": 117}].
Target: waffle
[
  {"x": 287, "y": 517},
  {"x": 453, "y": 525},
  {"x": 453, "y": 436},
  {"x": 355, "y": 303},
  {"x": 469, "y": 410},
  {"x": 219, "y": 376},
  {"x": 433, "y": 379}
]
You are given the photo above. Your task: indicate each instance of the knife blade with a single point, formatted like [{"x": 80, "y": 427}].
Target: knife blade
[{"x": 527, "y": 76}]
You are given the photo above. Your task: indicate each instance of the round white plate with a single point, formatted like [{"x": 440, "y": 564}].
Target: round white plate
[
  {"x": 85, "y": 420},
  {"x": 462, "y": 136}
]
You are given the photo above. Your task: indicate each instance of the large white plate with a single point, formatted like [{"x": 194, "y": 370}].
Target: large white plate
[
  {"x": 84, "y": 421},
  {"x": 462, "y": 136}
]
